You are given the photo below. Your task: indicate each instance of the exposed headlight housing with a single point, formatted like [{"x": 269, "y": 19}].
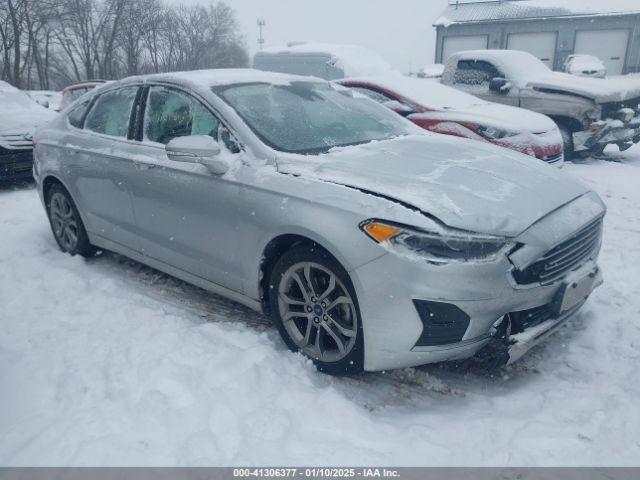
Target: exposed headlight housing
[
  {"x": 445, "y": 247},
  {"x": 491, "y": 133},
  {"x": 625, "y": 114}
]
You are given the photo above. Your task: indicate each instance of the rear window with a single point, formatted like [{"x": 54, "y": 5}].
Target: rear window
[
  {"x": 76, "y": 116},
  {"x": 111, "y": 112}
]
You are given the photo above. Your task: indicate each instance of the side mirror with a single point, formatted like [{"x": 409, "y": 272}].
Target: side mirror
[
  {"x": 499, "y": 85},
  {"x": 198, "y": 149},
  {"x": 44, "y": 103}
]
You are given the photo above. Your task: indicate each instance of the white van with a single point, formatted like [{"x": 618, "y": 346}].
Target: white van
[{"x": 323, "y": 60}]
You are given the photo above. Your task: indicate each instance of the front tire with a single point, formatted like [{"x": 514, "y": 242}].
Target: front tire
[
  {"x": 314, "y": 307},
  {"x": 66, "y": 224},
  {"x": 567, "y": 141}
]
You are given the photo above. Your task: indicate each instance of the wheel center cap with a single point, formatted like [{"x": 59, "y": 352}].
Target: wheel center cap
[{"x": 318, "y": 310}]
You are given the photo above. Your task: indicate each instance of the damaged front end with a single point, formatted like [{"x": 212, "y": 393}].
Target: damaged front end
[{"x": 620, "y": 125}]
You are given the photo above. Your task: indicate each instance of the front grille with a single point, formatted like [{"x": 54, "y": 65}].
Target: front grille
[
  {"x": 564, "y": 257},
  {"x": 15, "y": 163},
  {"x": 524, "y": 319},
  {"x": 553, "y": 158},
  {"x": 15, "y": 141}
]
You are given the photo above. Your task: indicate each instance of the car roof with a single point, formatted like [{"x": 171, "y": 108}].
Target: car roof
[{"x": 224, "y": 76}]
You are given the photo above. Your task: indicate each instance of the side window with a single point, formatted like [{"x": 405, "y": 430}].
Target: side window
[
  {"x": 475, "y": 74},
  {"x": 171, "y": 113},
  {"x": 111, "y": 112},
  {"x": 373, "y": 95},
  {"x": 76, "y": 116}
]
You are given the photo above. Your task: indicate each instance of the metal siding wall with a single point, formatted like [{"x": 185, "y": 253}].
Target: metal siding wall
[{"x": 565, "y": 27}]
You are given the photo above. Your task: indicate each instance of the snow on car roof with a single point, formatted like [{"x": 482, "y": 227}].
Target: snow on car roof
[
  {"x": 354, "y": 60},
  {"x": 226, "y": 76},
  {"x": 428, "y": 93},
  {"x": 464, "y": 12}
]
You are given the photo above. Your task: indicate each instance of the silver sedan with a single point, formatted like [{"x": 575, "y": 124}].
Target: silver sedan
[{"x": 371, "y": 243}]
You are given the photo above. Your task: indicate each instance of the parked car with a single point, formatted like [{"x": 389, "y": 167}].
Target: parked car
[
  {"x": 371, "y": 243},
  {"x": 71, "y": 93},
  {"x": 433, "y": 70},
  {"x": 443, "y": 109},
  {"x": 585, "y": 66},
  {"x": 591, "y": 113},
  {"x": 323, "y": 60},
  {"x": 19, "y": 116},
  {"x": 47, "y": 98}
]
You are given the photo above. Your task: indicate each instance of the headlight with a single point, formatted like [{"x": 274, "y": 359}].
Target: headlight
[
  {"x": 448, "y": 246},
  {"x": 491, "y": 133}
]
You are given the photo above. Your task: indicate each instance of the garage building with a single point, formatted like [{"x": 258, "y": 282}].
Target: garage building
[{"x": 549, "y": 29}]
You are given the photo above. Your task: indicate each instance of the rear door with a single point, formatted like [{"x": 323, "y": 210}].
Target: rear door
[
  {"x": 98, "y": 157},
  {"x": 610, "y": 46},
  {"x": 538, "y": 44},
  {"x": 186, "y": 216}
]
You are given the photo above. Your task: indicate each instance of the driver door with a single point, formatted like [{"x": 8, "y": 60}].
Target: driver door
[{"x": 185, "y": 214}]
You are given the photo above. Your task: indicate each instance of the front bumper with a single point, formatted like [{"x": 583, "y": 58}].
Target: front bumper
[
  {"x": 608, "y": 132},
  {"x": 15, "y": 164},
  {"x": 404, "y": 299},
  {"x": 486, "y": 293}
]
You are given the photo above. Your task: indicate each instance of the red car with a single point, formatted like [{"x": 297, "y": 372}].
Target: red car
[
  {"x": 71, "y": 93},
  {"x": 442, "y": 109}
]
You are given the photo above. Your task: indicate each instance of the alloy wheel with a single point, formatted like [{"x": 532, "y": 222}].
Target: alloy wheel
[
  {"x": 63, "y": 220},
  {"x": 317, "y": 311}
]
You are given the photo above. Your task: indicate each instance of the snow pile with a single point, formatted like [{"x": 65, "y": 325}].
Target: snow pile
[
  {"x": 353, "y": 60},
  {"x": 105, "y": 362}
]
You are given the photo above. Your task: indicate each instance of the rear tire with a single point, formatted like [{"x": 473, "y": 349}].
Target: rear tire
[
  {"x": 314, "y": 306},
  {"x": 66, "y": 224}
]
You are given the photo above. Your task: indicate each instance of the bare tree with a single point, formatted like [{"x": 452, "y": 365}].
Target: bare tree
[{"x": 49, "y": 43}]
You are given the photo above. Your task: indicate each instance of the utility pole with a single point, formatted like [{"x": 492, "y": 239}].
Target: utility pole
[{"x": 261, "y": 24}]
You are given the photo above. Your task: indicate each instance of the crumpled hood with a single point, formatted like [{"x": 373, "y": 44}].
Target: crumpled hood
[
  {"x": 601, "y": 90},
  {"x": 466, "y": 184}
]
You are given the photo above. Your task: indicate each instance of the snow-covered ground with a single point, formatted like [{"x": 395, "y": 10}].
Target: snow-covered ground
[{"x": 107, "y": 362}]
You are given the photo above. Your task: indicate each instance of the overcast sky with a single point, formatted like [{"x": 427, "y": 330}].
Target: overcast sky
[{"x": 400, "y": 31}]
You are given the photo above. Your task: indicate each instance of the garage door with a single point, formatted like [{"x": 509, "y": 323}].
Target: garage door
[
  {"x": 452, "y": 45},
  {"x": 610, "y": 46},
  {"x": 541, "y": 45}
]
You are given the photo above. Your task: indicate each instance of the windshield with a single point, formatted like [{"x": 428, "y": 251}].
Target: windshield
[{"x": 310, "y": 117}]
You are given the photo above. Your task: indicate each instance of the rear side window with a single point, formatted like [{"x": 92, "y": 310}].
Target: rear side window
[
  {"x": 76, "y": 116},
  {"x": 171, "y": 113},
  {"x": 111, "y": 112},
  {"x": 475, "y": 73}
]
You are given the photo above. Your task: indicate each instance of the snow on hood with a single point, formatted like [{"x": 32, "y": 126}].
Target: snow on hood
[
  {"x": 354, "y": 60},
  {"x": 601, "y": 90},
  {"x": 19, "y": 113},
  {"x": 466, "y": 184},
  {"x": 460, "y": 106},
  {"x": 525, "y": 70}
]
